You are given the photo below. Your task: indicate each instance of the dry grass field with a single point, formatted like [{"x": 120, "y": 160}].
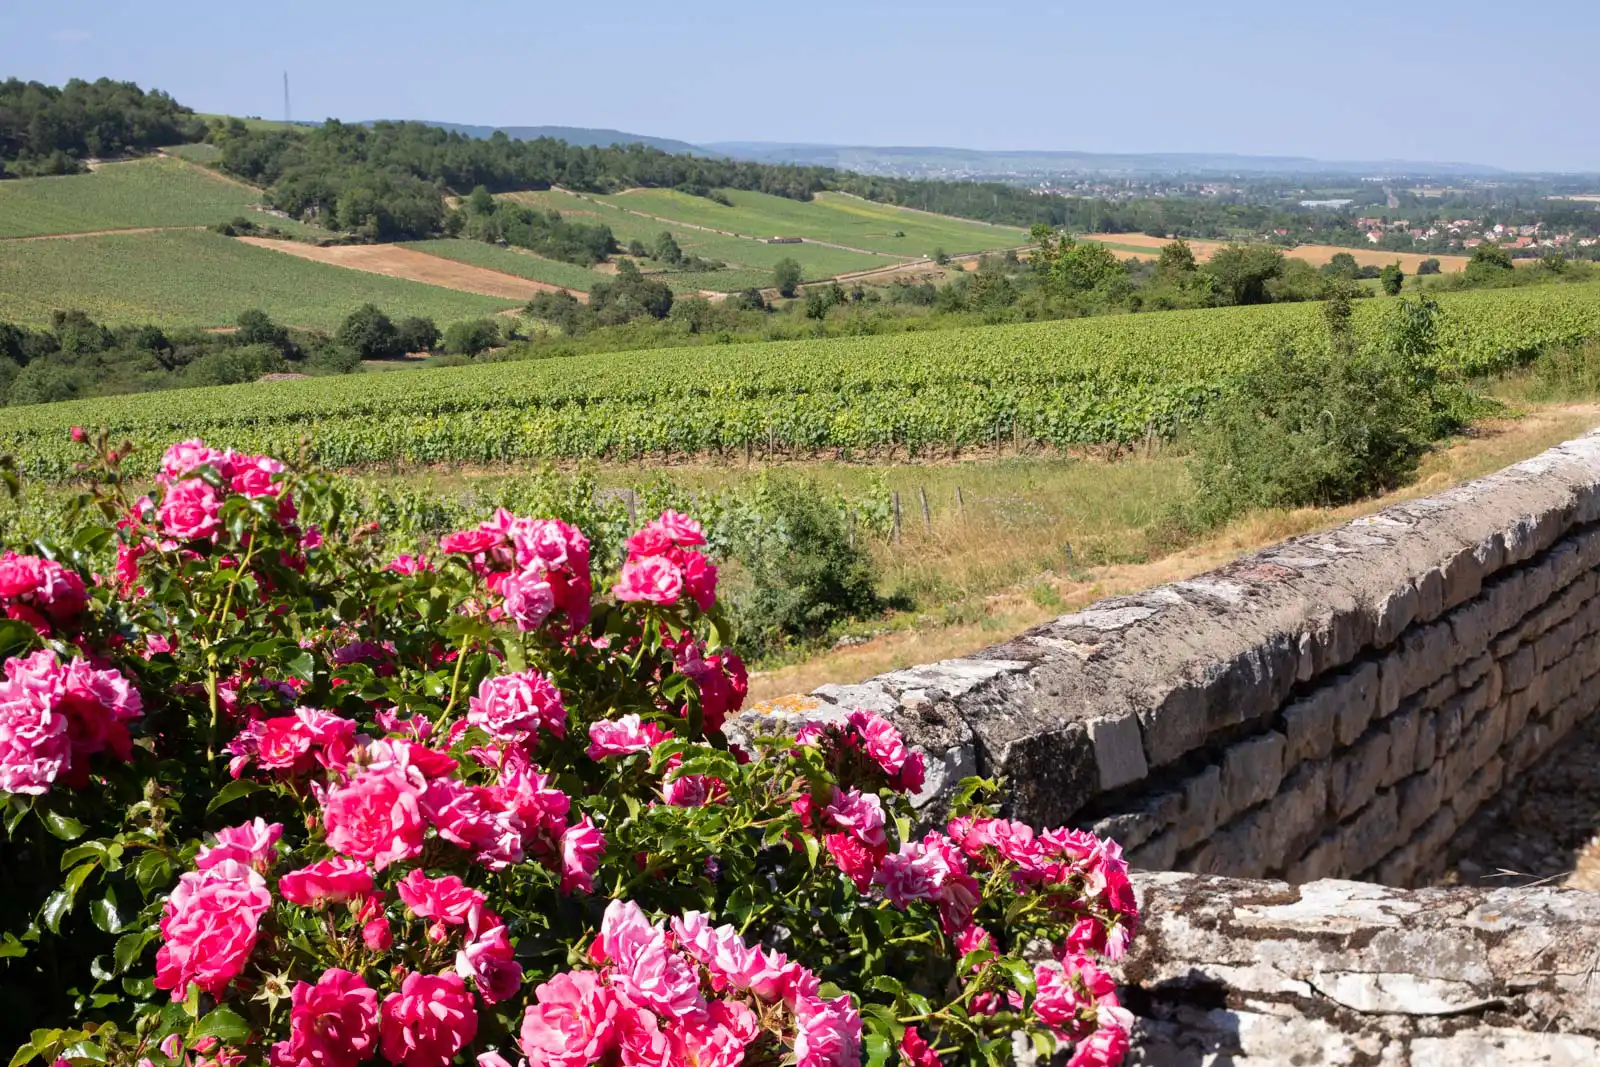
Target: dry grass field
[
  {"x": 397, "y": 261},
  {"x": 1316, "y": 255}
]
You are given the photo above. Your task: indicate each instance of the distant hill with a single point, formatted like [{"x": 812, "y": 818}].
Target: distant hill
[
  {"x": 575, "y": 135},
  {"x": 934, "y": 162}
]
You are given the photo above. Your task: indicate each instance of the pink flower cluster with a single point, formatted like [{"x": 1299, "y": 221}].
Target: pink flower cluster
[
  {"x": 866, "y": 741},
  {"x": 720, "y": 676},
  {"x": 538, "y": 567},
  {"x": 209, "y": 925},
  {"x": 293, "y": 745},
  {"x": 40, "y": 592},
  {"x": 1080, "y": 868},
  {"x": 690, "y": 994},
  {"x": 190, "y": 510},
  {"x": 54, "y": 718},
  {"x": 662, "y": 564},
  {"x": 624, "y": 736},
  {"x": 338, "y": 1022},
  {"x": 514, "y": 707}
]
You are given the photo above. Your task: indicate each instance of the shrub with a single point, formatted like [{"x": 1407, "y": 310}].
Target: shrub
[
  {"x": 471, "y": 337},
  {"x": 801, "y": 574},
  {"x": 269, "y": 793},
  {"x": 371, "y": 334},
  {"x": 1308, "y": 429}
]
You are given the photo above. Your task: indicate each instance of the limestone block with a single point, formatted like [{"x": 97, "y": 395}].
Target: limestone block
[
  {"x": 1251, "y": 772},
  {"x": 1357, "y": 773}
]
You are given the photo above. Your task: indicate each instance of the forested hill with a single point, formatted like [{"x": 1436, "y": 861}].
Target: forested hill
[
  {"x": 389, "y": 180},
  {"x": 49, "y": 130}
]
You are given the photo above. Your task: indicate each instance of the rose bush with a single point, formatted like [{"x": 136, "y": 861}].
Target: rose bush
[{"x": 274, "y": 796}]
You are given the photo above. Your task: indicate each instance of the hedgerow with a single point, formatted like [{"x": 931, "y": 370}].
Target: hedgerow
[{"x": 271, "y": 795}]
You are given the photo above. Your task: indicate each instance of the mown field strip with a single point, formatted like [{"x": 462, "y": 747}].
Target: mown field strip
[{"x": 399, "y": 261}]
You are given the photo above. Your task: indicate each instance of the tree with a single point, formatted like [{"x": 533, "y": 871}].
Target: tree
[
  {"x": 1429, "y": 266},
  {"x": 750, "y": 300},
  {"x": 1488, "y": 263},
  {"x": 471, "y": 337},
  {"x": 1392, "y": 278},
  {"x": 786, "y": 275},
  {"x": 667, "y": 250},
  {"x": 1342, "y": 265},
  {"x": 1176, "y": 263},
  {"x": 941, "y": 257},
  {"x": 637, "y": 249},
  {"x": 370, "y": 333},
  {"x": 256, "y": 328},
  {"x": 481, "y": 202},
  {"x": 416, "y": 334},
  {"x": 1242, "y": 272}
]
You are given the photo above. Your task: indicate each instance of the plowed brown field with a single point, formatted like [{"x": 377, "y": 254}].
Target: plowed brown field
[{"x": 407, "y": 263}]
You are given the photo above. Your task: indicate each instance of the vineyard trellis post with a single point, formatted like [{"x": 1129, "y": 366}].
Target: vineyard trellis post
[
  {"x": 961, "y": 505},
  {"x": 927, "y": 516},
  {"x": 895, "y": 497}
]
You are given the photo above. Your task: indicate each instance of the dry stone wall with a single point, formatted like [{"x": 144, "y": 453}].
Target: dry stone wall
[{"x": 1336, "y": 706}]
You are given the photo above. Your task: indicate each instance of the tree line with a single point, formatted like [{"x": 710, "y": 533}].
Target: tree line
[{"x": 49, "y": 130}]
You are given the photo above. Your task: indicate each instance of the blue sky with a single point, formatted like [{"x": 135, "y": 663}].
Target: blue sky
[{"x": 1496, "y": 83}]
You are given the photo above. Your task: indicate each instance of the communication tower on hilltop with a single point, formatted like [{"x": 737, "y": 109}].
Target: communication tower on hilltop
[{"x": 287, "y": 115}]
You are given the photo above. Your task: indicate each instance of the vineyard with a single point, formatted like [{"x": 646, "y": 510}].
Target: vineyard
[
  {"x": 194, "y": 278},
  {"x": 147, "y": 192},
  {"x": 1059, "y": 384}
]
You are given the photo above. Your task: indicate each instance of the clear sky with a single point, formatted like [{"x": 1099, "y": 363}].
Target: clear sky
[{"x": 1508, "y": 84}]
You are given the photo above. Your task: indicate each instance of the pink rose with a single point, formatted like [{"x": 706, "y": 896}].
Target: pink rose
[
  {"x": 582, "y": 845},
  {"x": 624, "y": 932},
  {"x": 331, "y": 1024},
  {"x": 572, "y": 1022},
  {"x": 490, "y": 962},
  {"x": 469, "y": 542},
  {"x": 182, "y": 458},
  {"x": 916, "y": 1052},
  {"x": 254, "y": 476},
  {"x": 1061, "y": 1003},
  {"x": 653, "y": 579},
  {"x": 858, "y": 862},
  {"x": 54, "y": 718},
  {"x": 251, "y": 844},
  {"x": 529, "y": 599},
  {"x": 661, "y": 979},
  {"x": 428, "y": 1021},
  {"x": 721, "y": 951},
  {"x": 699, "y": 579},
  {"x": 1106, "y": 1047},
  {"x": 858, "y": 814},
  {"x": 445, "y": 900},
  {"x": 827, "y": 1033},
  {"x": 407, "y": 564},
  {"x": 190, "y": 511},
  {"x": 478, "y": 818},
  {"x": 330, "y": 881},
  {"x": 620, "y": 737},
  {"x": 376, "y": 935},
  {"x": 512, "y": 707},
  {"x": 208, "y": 928},
  {"x": 376, "y": 818}
]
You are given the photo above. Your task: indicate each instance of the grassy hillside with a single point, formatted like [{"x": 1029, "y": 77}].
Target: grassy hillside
[
  {"x": 840, "y": 219},
  {"x": 194, "y": 278},
  {"x": 145, "y": 192}
]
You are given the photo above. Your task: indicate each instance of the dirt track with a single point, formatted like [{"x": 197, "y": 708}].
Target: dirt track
[
  {"x": 1316, "y": 255},
  {"x": 396, "y": 262},
  {"x": 99, "y": 233}
]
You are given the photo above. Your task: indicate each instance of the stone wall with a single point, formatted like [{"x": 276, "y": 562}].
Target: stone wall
[
  {"x": 1336, "y": 706},
  {"x": 1344, "y": 973}
]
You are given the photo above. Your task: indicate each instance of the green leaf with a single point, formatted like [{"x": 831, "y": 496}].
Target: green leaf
[
  {"x": 225, "y": 1024},
  {"x": 129, "y": 948},
  {"x": 63, "y": 826},
  {"x": 813, "y": 848},
  {"x": 104, "y": 914},
  {"x": 11, "y": 948},
  {"x": 83, "y": 1050},
  {"x": 242, "y": 787},
  {"x": 23, "y": 1055},
  {"x": 1044, "y": 1044},
  {"x": 878, "y": 1049},
  {"x": 301, "y": 666}
]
